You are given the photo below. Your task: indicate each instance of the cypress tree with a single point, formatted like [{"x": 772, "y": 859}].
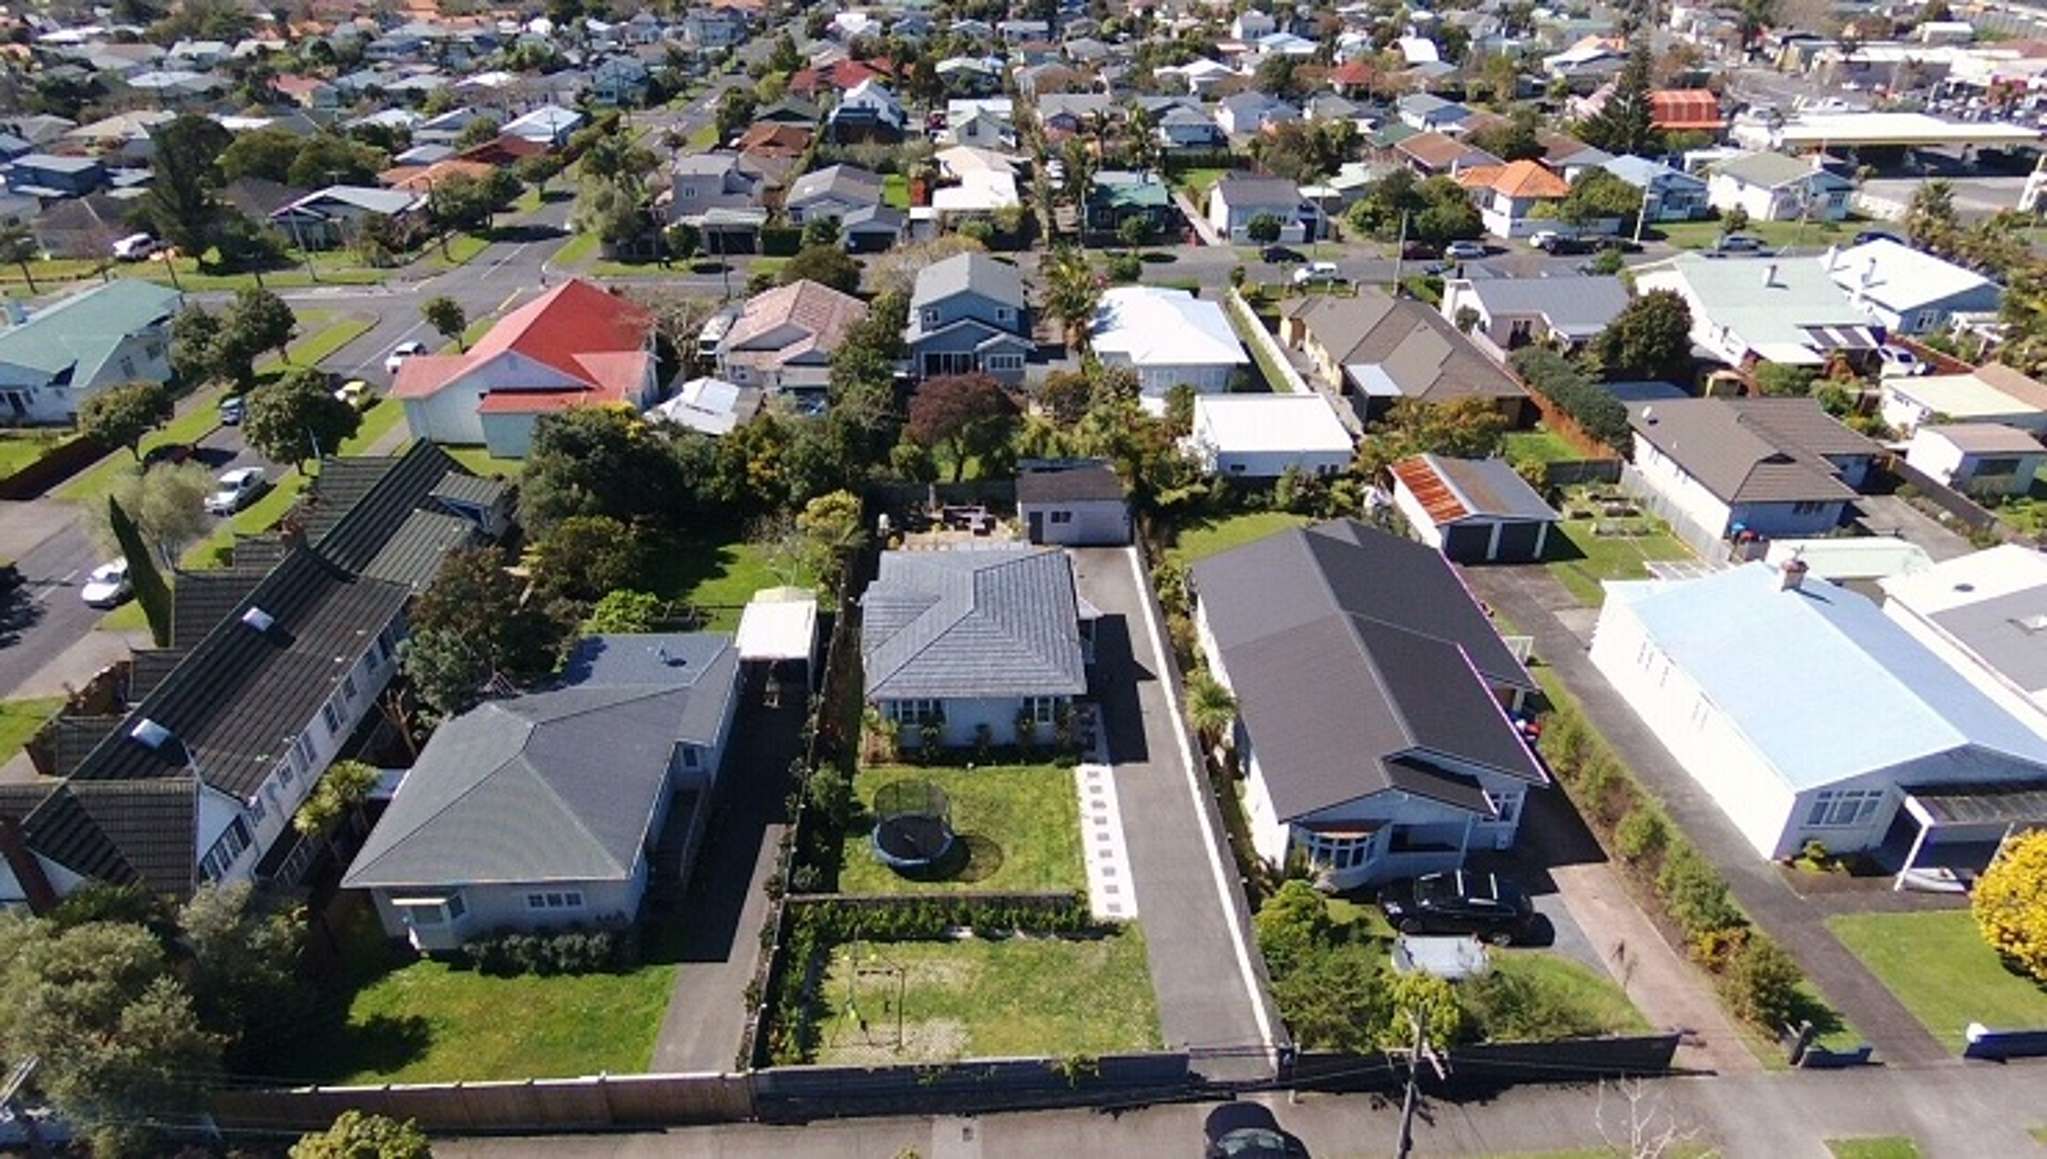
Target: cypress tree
[{"x": 150, "y": 590}]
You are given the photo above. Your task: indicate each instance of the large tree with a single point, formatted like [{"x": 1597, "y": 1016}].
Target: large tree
[
  {"x": 1465, "y": 428},
  {"x": 964, "y": 415},
  {"x": 167, "y": 507},
  {"x": 266, "y": 153},
  {"x": 1626, "y": 122},
  {"x": 331, "y": 159},
  {"x": 1511, "y": 139},
  {"x": 2010, "y": 903},
  {"x": 258, "y": 321},
  {"x": 446, "y": 316},
  {"x": 119, "y": 416},
  {"x": 601, "y": 461},
  {"x": 471, "y": 626},
  {"x": 356, "y": 1135},
  {"x": 1072, "y": 293},
  {"x": 243, "y": 969},
  {"x": 1930, "y": 220},
  {"x": 583, "y": 557},
  {"x": 826, "y": 265},
  {"x": 1650, "y": 338},
  {"x": 151, "y": 593},
  {"x": 180, "y": 202},
  {"x": 297, "y": 417}
]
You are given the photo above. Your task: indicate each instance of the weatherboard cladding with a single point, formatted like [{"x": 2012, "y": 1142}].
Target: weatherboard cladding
[{"x": 972, "y": 623}]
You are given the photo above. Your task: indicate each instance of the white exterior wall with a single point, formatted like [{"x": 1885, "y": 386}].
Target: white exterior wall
[
  {"x": 963, "y": 718},
  {"x": 1155, "y": 381},
  {"x": 48, "y": 403},
  {"x": 448, "y": 415},
  {"x": 1417, "y": 516},
  {"x": 1903, "y": 413},
  {"x": 1948, "y": 463},
  {"x": 1094, "y": 522},
  {"x": 495, "y": 907},
  {"x": 1673, "y": 483}
]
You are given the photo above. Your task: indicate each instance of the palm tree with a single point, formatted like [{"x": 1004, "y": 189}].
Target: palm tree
[
  {"x": 1144, "y": 140},
  {"x": 1210, "y": 708},
  {"x": 1071, "y": 293},
  {"x": 18, "y": 245}
]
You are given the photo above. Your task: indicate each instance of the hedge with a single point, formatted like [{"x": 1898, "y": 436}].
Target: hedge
[
  {"x": 780, "y": 241},
  {"x": 1594, "y": 408}
]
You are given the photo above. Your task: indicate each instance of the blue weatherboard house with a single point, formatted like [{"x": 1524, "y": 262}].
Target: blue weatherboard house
[{"x": 967, "y": 314}]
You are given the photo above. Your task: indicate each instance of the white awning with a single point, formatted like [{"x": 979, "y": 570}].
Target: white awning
[
  {"x": 779, "y": 624},
  {"x": 421, "y": 902}
]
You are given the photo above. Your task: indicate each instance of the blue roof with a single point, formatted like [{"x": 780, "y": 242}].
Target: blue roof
[
  {"x": 1640, "y": 171},
  {"x": 1821, "y": 682}
]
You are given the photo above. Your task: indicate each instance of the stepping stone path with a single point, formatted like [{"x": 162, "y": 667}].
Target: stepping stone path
[{"x": 1112, "y": 896}]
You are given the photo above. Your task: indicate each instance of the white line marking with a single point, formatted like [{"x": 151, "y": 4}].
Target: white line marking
[
  {"x": 381, "y": 354},
  {"x": 1222, "y": 887}
]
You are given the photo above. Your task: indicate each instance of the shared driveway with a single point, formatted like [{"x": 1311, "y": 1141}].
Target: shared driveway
[{"x": 1196, "y": 934}]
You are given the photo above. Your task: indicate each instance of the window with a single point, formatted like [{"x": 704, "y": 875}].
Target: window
[
  {"x": 916, "y": 711},
  {"x": 1842, "y": 808},
  {"x": 302, "y": 751},
  {"x": 330, "y": 718},
  {"x": 1346, "y": 851},
  {"x": 1042, "y": 709},
  {"x": 689, "y": 756},
  {"x": 348, "y": 686},
  {"x": 930, "y": 316},
  {"x": 1062, "y": 517},
  {"x": 555, "y": 899},
  {"x": 1506, "y": 807},
  {"x": 456, "y": 907},
  {"x": 1005, "y": 362},
  {"x": 1807, "y": 507},
  {"x": 1004, "y": 314},
  {"x": 1702, "y": 711},
  {"x": 257, "y": 809},
  {"x": 229, "y": 846},
  {"x": 285, "y": 773},
  {"x": 2004, "y": 466}
]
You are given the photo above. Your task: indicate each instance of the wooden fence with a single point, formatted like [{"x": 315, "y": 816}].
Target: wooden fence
[
  {"x": 1492, "y": 1065},
  {"x": 54, "y": 466},
  {"x": 592, "y": 1103}
]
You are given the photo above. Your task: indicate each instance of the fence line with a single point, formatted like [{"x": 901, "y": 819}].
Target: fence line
[
  {"x": 1275, "y": 357},
  {"x": 1703, "y": 541}
]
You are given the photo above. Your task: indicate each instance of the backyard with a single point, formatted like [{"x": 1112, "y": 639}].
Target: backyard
[
  {"x": 1938, "y": 965},
  {"x": 1020, "y": 825},
  {"x": 717, "y": 575},
  {"x": 1207, "y": 536},
  {"x": 20, "y": 448},
  {"x": 1604, "y": 539},
  {"x": 1197, "y": 183},
  {"x": 1539, "y": 445},
  {"x": 976, "y": 998}
]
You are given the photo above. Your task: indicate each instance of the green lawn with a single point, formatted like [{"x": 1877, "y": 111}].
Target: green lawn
[
  {"x": 1940, "y": 968},
  {"x": 1571, "y": 984},
  {"x": 1874, "y": 1147},
  {"x": 1540, "y": 445},
  {"x": 1020, "y": 824},
  {"x": 382, "y": 415},
  {"x": 706, "y": 137},
  {"x": 1197, "y": 183},
  {"x": 476, "y": 329},
  {"x": 480, "y": 461},
  {"x": 577, "y": 250},
  {"x": 20, "y": 448},
  {"x": 717, "y": 575},
  {"x": 1693, "y": 235},
  {"x": 895, "y": 191},
  {"x": 1019, "y": 996},
  {"x": 129, "y": 617},
  {"x": 1200, "y": 540},
  {"x": 217, "y": 549},
  {"x": 19, "y": 720},
  {"x": 1273, "y": 374},
  {"x": 314, "y": 346},
  {"x": 1584, "y": 551}
]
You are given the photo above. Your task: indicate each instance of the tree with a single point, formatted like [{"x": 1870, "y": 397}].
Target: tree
[
  {"x": 966, "y": 415},
  {"x": 827, "y": 265},
  {"x": 1465, "y": 428},
  {"x": 477, "y": 132},
  {"x": 736, "y": 108},
  {"x": 167, "y": 506},
  {"x": 297, "y": 418},
  {"x": 821, "y": 231},
  {"x": 18, "y": 247},
  {"x": 341, "y": 790},
  {"x": 1134, "y": 231},
  {"x": 266, "y": 153},
  {"x": 1649, "y": 338},
  {"x": 193, "y": 354},
  {"x": 1064, "y": 396},
  {"x": 1626, "y": 122},
  {"x": 1930, "y": 219},
  {"x": 1072, "y": 293},
  {"x": 1279, "y": 75},
  {"x": 447, "y": 317},
  {"x": 583, "y": 557},
  {"x": 470, "y": 626},
  {"x": 1512, "y": 139},
  {"x": 243, "y": 968},
  {"x": 150, "y": 591},
  {"x": 180, "y": 202},
  {"x": 1264, "y": 229},
  {"x": 356, "y": 1135},
  {"x": 832, "y": 530},
  {"x": 624, "y": 611},
  {"x": 601, "y": 461},
  {"x": 1210, "y": 707},
  {"x": 1598, "y": 195},
  {"x": 464, "y": 202},
  {"x": 2024, "y": 314},
  {"x": 331, "y": 159},
  {"x": 118, "y": 416},
  {"x": 2010, "y": 903},
  {"x": 258, "y": 321},
  {"x": 613, "y": 208}
]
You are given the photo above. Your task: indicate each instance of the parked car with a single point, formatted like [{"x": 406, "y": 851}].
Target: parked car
[
  {"x": 167, "y": 453},
  {"x": 1738, "y": 243},
  {"x": 135, "y": 247},
  {"x": 232, "y": 408},
  {"x": 1279, "y": 255},
  {"x": 1870, "y": 235},
  {"x": 107, "y": 585},
  {"x": 1242, "y": 1130},
  {"x": 1460, "y": 901},
  {"x": 1465, "y": 251},
  {"x": 1420, "y": 251},
  {"x": 1550, "y": 241},
  {"x": 400, "y": 353},
  {"x": 1899, "y": 362},
  {"x": 356, "y": 393},
  {"x": 238, "y": 488},
  {"x": 1318, "y": 274}
]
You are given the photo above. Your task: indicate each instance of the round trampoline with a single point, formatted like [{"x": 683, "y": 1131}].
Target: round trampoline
[{"x": 913, "y": 826}]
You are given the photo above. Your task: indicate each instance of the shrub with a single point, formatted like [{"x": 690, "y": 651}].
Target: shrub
[
  {"x": 1696, "y": 896},
  {"x": 1761, "y": 982},
  {"x": 1594, "y": 408},
  {"x": 1126, "y": 268},
  {"x": 2010, "y": 903},
  {"x": 1603, "y": 787},
  {"x": 571, "y": 951},
  {"x": 1642, "y": 834},
  {"x": 1505, "y": 1007}
]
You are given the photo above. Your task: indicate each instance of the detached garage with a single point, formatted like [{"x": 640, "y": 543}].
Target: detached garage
[{"x": 1472, "y": 510}]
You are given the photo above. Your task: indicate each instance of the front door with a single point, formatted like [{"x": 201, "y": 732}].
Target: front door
[{"x": 1037, "y": 528}]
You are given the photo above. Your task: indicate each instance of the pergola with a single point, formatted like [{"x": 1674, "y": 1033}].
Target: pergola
[{"x": 1975, "y": 814}]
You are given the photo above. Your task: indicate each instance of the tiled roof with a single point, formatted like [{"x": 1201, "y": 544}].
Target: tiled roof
[
  {"x": 1518, "y": 179},
  {"x": 819, "y": 315},
  {"x": 1685, "y": 109},
  {"x": 561, "y": 329},
  {"x": 995, "y": 622}
]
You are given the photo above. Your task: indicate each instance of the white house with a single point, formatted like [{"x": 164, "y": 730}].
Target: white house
[
  {"x": 1910, "y": 291},
  {"x": 1259, "y": 436},
  {"x": 1472, "y": 510},
  {"x": 1981, "y": 459},
  {"x": 1774, "y": 187},
  {"x": 1371, "y": 696},
  {"x": 1806, "y": 713},
  {"x": 1785, "y": 310},
  {"x": 1235, "y": 202},
  {"x": 54, "y": 359},
  {"x": 1168, "y": 337},
  {"x": 1770, "y": 467},
  {"x": 1983, "y": 615},
  {"x": 1992, "y": 393},
  {"x": 1508, "y": 196},
  {"x": 1072, "y": 502}
]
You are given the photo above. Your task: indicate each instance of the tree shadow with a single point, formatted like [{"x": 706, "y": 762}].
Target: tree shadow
[
  {"x": 979, "y": 858},
  {"x": 18, "y": 611},
  {"x": 1157, "y": 258}
]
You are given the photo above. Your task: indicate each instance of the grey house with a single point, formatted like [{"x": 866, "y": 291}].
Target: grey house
[
  {"x": 972, "y": 641},
  {"x": 967, "y": 314},
  {"x": 546, "y": 810},
  {"x": 1072, "y": 502},
  {"x": 1509, "y": 313},
  {"x": 831, "y": 193}
]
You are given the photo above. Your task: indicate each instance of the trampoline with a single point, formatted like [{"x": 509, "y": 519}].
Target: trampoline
[{"x": 912, "y": 827}]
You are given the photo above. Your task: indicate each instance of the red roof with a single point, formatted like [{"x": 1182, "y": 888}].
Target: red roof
[
  {"x": 840, "y": 74},
  {"x": 1683, "y": 109},
  {"x": 594, "y": 338},
  {"x": 502, "y": 149},
  {"x": 1355, "y": 71},
  {"x": 1431, "y": 489}
]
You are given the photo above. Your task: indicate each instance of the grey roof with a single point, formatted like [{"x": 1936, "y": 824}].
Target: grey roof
[
  {"x": 414, "y": 552},
  {"x": 1991, "y": 803},
  {"x": 472, "y": 490},
  {"x": 1360, "y": 663},
  {"x": 1577, "y": 305},
  {"x": 1987, "y": 438},
  {"x": 1243, "y": 191},
  {"x": 2003, "y": 631},
  {"x": 874, "y": 218},
  {"x": 1491, "y": 488},
  {"x": 1771, "y": 170},
  {"x": 1416, "y": 350},
  {"x": 203, "y": 599},
  {"x": 845, "y": 181},
  {"x": 1750, "y": 454},
  {"x": 969, "y": 272},
  {"x": 993, "y": 622},
  {"x": 1066, "y": 481},
  {"x": 560, "y": 785}
]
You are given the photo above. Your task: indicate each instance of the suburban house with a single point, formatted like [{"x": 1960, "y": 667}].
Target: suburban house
[
  {"x": 1072, "y": 503},
  {"x": 1774, "y": 187},
  {"x": 1426, "y": 112},
  {"x": 274, "y": 665},
  {"x": 1686, "y": 111},
  {"x": 1980, "y": 459},
  {"x": 1909, "y": 291},
  {"x": 1167, "y": 337},
  {"x": 1809, "y": 715},
  {"x": 717, "y": 194},
  {"x": 1245, "y": 113},
  {"x": 1992, "y": 393},
  {"x": 710, "y": 406},
  {"x": 1509, "y": 313},
  {"x": 334, "y": 216},
  {"x": 1472, "y": 510},
  {"x": 1377, "y": 350},
  {"x": 1748, "y": 310},
  {"x": 549, "y": 126},
  {"x": 830, "y": 194},
  {"x": 1771, "y": 467},
  {"x": 784, "y": 338},
  {"x": 1980, "y": 613},
  {"x": 62, "y": 354},
  {"x": 1180, "y": 127},
  {"x": 50, "y": 177},
  {"x": 868, "y": 112},
  {"x": 1436, "y": 154},
  {"x": 1668, "y": 194},
  {"x": 1507, "y": 195},
  {"x": 1262, "y": 436},
  {"x": 575, "y": 345},
  {"x": 1117, "y": 195},
  {"x": 1372, "y": 697},
  {"x": 969, "y": 644},
  {"x": 967, "y": 314},
  {"x": 1235, "y": 202},
  {"x": 548, "y": 809}
]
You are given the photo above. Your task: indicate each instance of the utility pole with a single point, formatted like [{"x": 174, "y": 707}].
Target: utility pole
[
  {"x": 10, "y": 1102},
  {"x": 1399, "y": 251},
  {"x": 1411, "y": 1101}
]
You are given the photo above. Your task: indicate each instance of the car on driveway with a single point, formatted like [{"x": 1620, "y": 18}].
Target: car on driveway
[
  {"x": 1460, "y": 901},
  {"x": 1550, "y": 241},
  {"x": 401, "y": 352},
  {"x": 1465, "y": 251},
  {"x": 237, "y": 489},
  {"x": 1899, "y": 362},
  {"x": 107, "y": 585}
]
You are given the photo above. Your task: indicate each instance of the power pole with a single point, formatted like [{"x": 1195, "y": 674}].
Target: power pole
[
  {"x": 1409, "y": 1101},
  {"x": 10, "y": 1102},
  {"x": 1399, "y": 250}
]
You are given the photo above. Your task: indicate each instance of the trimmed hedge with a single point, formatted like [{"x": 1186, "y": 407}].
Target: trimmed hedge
[
  {"x": 780, "y": 241},
  {"x": 571, "y": 951},
  {"x": 1594, "y": 408}
]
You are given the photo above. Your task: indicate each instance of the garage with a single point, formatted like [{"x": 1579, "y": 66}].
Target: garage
[{"x": 1472, "y": 510}]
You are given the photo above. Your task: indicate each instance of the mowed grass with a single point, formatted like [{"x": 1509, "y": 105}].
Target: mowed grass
[
  {"x": 577, "y": 250},
  {"x": 718, "y": 576},
  {"x": 1539, "y": 445},
  {"x": 1197, "y": 183},
  {"x": 1020, "y": 824},
  {"x": 1874, "y": 1147},
  {"x": 1574, "y": 985},
  {"x": 1584, "y": 552},
  {"x": 19, "y": 720},
  {"x": 1939, "y": 966},
  {"x": 1695, "y": 235},
  {"x": 1018, "y": 996},
  {"x": 895, "y": 191},
  {"x": 217, "y": 550},
  {"x": 1199, "y": 540},
  {"x": 480, "y": 461},
  {"x": 20, "y": 448},
  {"x": 377, "y": 421}
]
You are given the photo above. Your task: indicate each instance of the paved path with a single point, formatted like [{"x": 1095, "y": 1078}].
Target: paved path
[
  {"x": 1526, "y": 596},
  {"x": 1961, "y": 1112},
  {"x": 1110, "y": 894},
  {"x": 1197, "y": 949},
  {"x": 1892, "y": 515}
]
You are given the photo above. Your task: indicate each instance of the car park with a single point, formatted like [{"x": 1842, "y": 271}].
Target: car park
[
  {"x": 237, "y": 489},
  {"x": 1465, "y": 251},
  {"x": 400, "y": 353},
  {"x": 107, "y": 585},
  {"x": 1318, "y": 274},
  {"x": 1459, "y": 901}
]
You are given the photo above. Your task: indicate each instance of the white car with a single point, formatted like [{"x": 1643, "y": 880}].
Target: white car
[
  {"x": 1314, "y": 273},
  {"x": 238, "y": 488},
  {"x": 107, "y": 586},
  {"x": 1899, "y": 362},
  {"x": 400, "y": 353},
  {"x": 1464, "y": 251},
  {"x": 135, "y": 247}
]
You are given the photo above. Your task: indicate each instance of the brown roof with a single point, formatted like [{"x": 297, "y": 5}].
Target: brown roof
[
  {"x": 1987, "y": 438},
  {"x": 1515, "y": 179},
  {"x": 1440, "y": 151},
  {"x": 821, "y": 315},
  {"x": 1422, "y": 354},
  {"x": 1685, "y": 109},
  {"x": 1747, "y": 454},
  {"x": 2002, "y": 378},
  {"x": 774, "y": 137}
]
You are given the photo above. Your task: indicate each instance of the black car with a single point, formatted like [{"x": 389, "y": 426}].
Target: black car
[
  {"x": 1870, "y": 235},
  {"x": 1458, "y": 902},
  {"x": 1279, "y": 255},
  {"x": 1244, "y": 1131}
]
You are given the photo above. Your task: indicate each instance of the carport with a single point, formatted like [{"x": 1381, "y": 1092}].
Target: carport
[
  {"x": 778, "y": 637},
  {"x": 1965, "y": 827}
]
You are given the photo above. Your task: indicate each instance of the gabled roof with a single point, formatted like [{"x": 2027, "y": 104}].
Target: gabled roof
[
  {"x": 1453, "y": 490},
  {"x": 995, "y": 622},
  {"x": 556, "y": 786},
  {"x": 1517, "y": 179},
  {"x": 975, "y": 273},
  {"x": 1400, "y": 348},
  {"x": 1066, "y": 481},
  {"x": 1442, "y": 151},
  {"x": 1248, "y": 191},
  {"x": 845, "y": 181},
  {"x": 1360, "y": 663},
  {"x": 81, "y": 332},
  {"x": 570, "y": 329},
  {"x": 1578, "y": 305},
  {"x": 1681, "y": 109},
  {"x": 1748, "y": 454}
]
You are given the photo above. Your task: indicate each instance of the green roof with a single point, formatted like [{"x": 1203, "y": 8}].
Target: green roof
[
  {"x": 1132, "y": 194},
  {"x": 81, "y": 332}
]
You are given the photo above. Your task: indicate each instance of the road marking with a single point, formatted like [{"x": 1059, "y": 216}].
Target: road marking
[
  {"x": 380, "y": 354},
  {"x": 1238, "y": 940}
]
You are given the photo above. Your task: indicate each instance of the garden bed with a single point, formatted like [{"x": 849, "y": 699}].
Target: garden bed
[{"x": 1019, "y": 826}]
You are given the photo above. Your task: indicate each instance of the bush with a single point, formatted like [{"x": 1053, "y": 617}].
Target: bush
[
  {"x": 1509, "y": 1007},
  {"x": 571, "y": 951},
  {"x": 1642, "y": 834},
  {"x": 1594, "y": 408},
  {"x": 1696, "y": 896},
  {"x": 780, "y": 241},
  {"x": 2010, "y": 904},
  {"x": 1761, "y": 982},
  {"x": 1125, "y": 268}
]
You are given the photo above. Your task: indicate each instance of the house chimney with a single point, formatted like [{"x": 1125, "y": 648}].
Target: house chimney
[
  {"x": 1770, "y": 274},
  {"x": 1791, "y": 576}
]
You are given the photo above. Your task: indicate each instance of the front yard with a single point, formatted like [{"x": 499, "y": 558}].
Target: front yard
[
  {"x": 1020, "y": 825},
  {"x": 893, "y": 1002},
  {"x": 19, "y": 720},
  {"x": 1939, "y": 967},
  {"x": 1197, "y": 182},
  {"x": 1209, "y": 536}
]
